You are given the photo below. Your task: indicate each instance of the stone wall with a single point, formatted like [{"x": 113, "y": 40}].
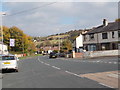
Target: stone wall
[
  {"x": 101, "y": 53},
  {"x": 78, "y": 55}
]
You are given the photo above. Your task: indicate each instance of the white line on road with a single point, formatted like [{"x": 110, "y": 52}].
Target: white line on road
[
  {"x": 115, "y": 62},
  {"x": 98, "y": 61},
  {"x": 72, "y": 73},
  {"x": 42, "y": 62},
  {"x": 47, "y": 64},
  {"x": 106, "y": 85},
  {"x": 56, "y": 67}
]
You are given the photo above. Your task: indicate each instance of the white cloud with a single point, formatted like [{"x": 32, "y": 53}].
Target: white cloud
[
  {"x": 46, "y": 20},
  {"x": 61, "y": 0}
]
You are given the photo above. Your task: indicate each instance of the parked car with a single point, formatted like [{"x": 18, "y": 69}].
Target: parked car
[
  {"x": 62, "y": 55},
  {"x": 9, "y": 62},
  {"x": 44, "y": 53},
  {"x": 52, "y": 55}
]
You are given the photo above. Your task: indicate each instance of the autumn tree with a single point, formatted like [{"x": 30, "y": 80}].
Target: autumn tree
[
  {"x": 66, "y": 46},
  {"x": 23, "y": 42},
  {"x": 117, "y": 20}
]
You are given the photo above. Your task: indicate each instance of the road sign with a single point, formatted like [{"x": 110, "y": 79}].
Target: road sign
[{"x": 12, "y": 42}]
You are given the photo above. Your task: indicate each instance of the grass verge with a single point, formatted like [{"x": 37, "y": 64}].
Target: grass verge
[{"x": 25, "y": 57}]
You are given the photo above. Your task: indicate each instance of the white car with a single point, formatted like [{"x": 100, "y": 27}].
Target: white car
[{"x": 9, "y": 62}]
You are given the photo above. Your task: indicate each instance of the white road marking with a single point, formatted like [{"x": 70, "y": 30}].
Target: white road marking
[
  {"x": 115, "y": 62},
  {"x": 69, "y": 72},
  {"x": 101, "y": 62},
  {"x": 45, "y": 63},
  {"x": 42, "y": 62},
  {"x": 106, "y": 85},
  {"x": 56, "y": 67},
  {"x": 98, "y": 61},
  {"x": 110, "y": 62},
  {"x": 72, "y": 73},
  {"x": 48, "y": 64}
]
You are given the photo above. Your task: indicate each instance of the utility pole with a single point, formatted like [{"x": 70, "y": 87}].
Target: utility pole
[
  {"x": 1, "y": 28},
  {"x": 59, "y": 44}
]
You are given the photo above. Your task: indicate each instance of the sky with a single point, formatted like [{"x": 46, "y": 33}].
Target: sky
[{"x": 47, "y": 18}]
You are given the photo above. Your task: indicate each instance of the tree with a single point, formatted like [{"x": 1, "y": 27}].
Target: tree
[
  {"x": 117, "y": 20},
  {"x": 23, "y": 42},
  {"x": 66, "y": 46}
]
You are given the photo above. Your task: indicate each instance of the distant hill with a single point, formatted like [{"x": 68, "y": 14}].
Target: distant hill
[{"x": 53, "y": 40}]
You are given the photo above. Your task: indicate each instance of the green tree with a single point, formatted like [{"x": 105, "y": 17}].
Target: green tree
[{"x": 66, "y": 46}]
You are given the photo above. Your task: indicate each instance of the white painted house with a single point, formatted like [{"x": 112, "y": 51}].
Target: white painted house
[
  {"x": 3, "y": 49},
  {"x": 78, "y": 43}
]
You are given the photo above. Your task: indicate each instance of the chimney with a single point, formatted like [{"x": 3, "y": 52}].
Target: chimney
[{"x": 105, "y": 22}]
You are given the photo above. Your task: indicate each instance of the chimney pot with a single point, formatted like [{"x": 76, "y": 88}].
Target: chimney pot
[{"x": 105, "y": 22}]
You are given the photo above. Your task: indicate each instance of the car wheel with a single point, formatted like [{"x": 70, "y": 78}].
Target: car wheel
[{"x": 16, "y": 70}]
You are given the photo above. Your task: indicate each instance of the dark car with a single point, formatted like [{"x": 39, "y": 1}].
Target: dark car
[
  {"x": 53, "y": 55},
  {"x": 62, "y": 55}
]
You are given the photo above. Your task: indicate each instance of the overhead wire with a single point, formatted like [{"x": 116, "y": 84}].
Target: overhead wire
[{"x": 28, "y": 10}]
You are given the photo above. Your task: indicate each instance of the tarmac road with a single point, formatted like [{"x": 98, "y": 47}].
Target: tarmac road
[{"x": 42, "y": 72}]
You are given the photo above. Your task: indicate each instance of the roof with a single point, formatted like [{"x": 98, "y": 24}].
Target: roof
[
  {"x": 7, "y": 55},
  {"x": 113, "y": 26}
]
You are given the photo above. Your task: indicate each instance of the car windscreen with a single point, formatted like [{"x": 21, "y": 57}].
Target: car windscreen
[{"x": 8, "y": 58}]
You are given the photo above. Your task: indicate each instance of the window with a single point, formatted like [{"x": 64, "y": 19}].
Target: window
[
  {"x": 91, "y": 36},
  {"x": 85, "y": 37},
  {"x": 104, "y": 36},
  {"x": 113, "y": 35},
  {"x": 8, "y": 58},
  {"x": 91, "y": 47},
  {"x": 118, "y": 34}
]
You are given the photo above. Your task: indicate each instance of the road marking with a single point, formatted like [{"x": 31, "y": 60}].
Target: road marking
[
  {"x": 56, "y": 67},
  {"x": 110, "y": 62},
  {"x": 115, "y": 62},
  {"x": 101, "y": 62},
  {"x": 69, "y": 72},
  {"x": 106, "y": 85},
  {"x": 42, "y": 62},
  {"x": 98, "y": 61},
  {"x": 72, "y": 73},
  {"x": 47, "y": 64}
]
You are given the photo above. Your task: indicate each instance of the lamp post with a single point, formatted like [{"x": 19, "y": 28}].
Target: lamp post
[{"x": 1, "y": 27}]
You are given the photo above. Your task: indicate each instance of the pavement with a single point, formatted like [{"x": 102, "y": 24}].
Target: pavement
[
  {"x": 0, "y": 75},
  {"x": 109, "y": 79},
  {"x": 42, "y": 72}
]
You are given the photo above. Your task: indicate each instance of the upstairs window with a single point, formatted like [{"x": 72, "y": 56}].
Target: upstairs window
[
  {"x": 91, "y": 36},
  {"x": 113, "y": 35},
  {"x": 118, "y": 34},
  {"x": 104, "y": 36},
  {"x": 84, "y": 37}
]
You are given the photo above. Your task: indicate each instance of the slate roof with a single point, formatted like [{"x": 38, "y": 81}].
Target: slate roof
[{"x": 113, "y": 26}]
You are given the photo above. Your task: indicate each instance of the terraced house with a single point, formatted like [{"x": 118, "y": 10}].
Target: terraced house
[{"x": 103, "y": 37}]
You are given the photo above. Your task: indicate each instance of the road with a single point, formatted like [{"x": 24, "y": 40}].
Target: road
[{"x": 42, "y": 72}]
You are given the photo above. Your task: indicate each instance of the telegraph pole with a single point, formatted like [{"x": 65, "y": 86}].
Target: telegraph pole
[
  {"x": 1, "y": 28},
  {"x": 59, "y": 44}
]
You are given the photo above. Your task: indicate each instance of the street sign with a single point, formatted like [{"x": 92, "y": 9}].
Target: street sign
[{"x": 12, "y": 42}]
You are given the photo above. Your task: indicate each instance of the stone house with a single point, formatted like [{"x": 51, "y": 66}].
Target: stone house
[{"x": 104, "y": 37}]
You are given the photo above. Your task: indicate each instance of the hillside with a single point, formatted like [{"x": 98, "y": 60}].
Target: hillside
[{"x": 54, "y": 40}]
